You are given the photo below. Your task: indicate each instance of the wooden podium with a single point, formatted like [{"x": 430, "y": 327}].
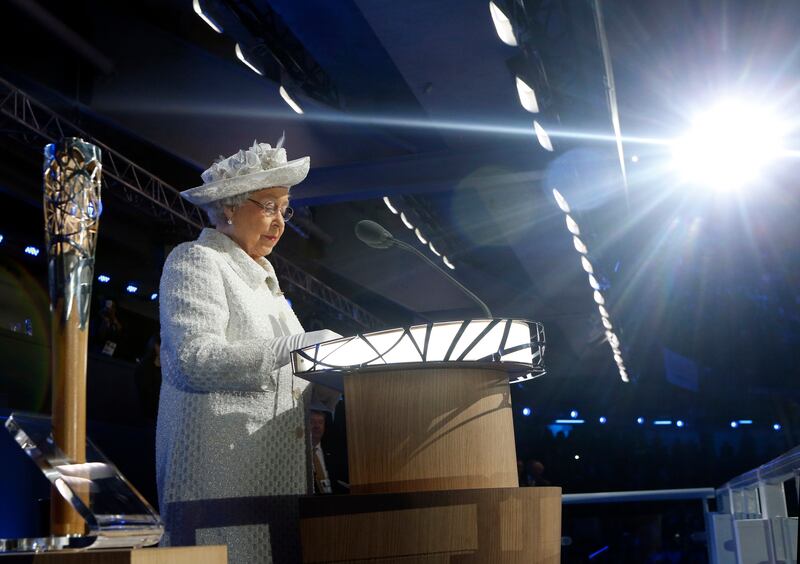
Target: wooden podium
[{"x": 432, "y": 466}]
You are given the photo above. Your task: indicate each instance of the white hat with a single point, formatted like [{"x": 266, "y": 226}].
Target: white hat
[{"x": 260, "y": 166}]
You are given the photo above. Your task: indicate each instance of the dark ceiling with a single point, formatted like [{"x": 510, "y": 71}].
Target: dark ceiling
[{"x": 417, "y": 101}]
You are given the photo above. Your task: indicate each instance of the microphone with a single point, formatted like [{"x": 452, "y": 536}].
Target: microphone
[
  {"x": 378, "y": 237},
  {"x": 374, "y": 234}
]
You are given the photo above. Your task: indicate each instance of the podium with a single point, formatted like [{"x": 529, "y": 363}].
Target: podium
[{"x": 431, "y": 448}]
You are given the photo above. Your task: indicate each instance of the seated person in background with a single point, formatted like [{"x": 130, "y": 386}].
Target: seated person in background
[
  {"x": 533, "y": 475},
  {"x": 327, "y": 464}
]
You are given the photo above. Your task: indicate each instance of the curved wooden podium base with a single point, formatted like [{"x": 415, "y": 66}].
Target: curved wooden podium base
[
  {"x": 172, "y": 555},
  {"x": 497, "y": 525}
]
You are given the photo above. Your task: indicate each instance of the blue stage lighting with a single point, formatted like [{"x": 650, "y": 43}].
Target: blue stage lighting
[
  {"x": 602, "y": 420},
  {"x": 663, "y": 422},
  {"x": 679, "y": 423},
  {"x": 526, "y": 411},
  {"x": 573, "y": 414},
  {"x": 777, "y": 426},
  {"x": 1, "y": 238},
  {"x": 31, "y": 250},
  {"x": 640, "y": 420},
  {"x": 104, "y": 279},
  {"x": 153, "y": 296},
  {"x": 131, "y": 289},
  {"x": 570, "y": 421},
  {"x": 745, "y": 421},
  {"x": 288, "y": 301},
  {"x": 734, "y": 424}
]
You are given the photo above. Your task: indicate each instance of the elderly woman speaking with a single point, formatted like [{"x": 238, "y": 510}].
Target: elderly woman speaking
[{"x": 231, "y": 443}]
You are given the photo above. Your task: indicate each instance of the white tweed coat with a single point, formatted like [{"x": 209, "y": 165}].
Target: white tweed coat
[{"x": 231, "y": 422}]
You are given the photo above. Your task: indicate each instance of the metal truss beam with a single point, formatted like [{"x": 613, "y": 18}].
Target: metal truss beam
[{"x": 137, "y": 182}]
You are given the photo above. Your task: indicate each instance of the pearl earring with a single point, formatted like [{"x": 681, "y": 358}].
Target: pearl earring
[{"x": 230, "y": 221}]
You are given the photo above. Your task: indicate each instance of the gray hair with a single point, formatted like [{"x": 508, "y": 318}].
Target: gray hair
[{"x": 216, "y": 210}]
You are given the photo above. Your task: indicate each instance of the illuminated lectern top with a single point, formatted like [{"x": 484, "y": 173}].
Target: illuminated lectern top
[{"x": 517, "y": 345}]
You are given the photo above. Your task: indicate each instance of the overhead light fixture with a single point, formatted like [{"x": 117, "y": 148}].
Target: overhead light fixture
[
  {"x": 405, "y": 221},
  {"x": 104, "y": 279},
  {"x": 289, "y": 100},
  {"x": 31, "y": 250},
  {"x": 422, "y": 239},
  {"x": 131, "y": 288},
  {"x": 572, "y": 225},
  {"x": 390, "y": 206},
  {"x": 587, "y": 266},
  {"x": 433, "y": 249},
  {"x": 607, "y": 323},
  {"x": 240, "y": 56},
  {"x": 502, "y": 25},
  {"x": 153, "y": 296},
  {"x": 579, "y": 245},
  {"x": 527, "y": 97},
  {"x": 447, "y": 263},
  {"x": 593, "y": 282},
  {"x": 542, "y": 136},
  {"x": 603, "y": 311},
  {"x": 199, "y": 11},
  {"x": 561, "y": 201}
]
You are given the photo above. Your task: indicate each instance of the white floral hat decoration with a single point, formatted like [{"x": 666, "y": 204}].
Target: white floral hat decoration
[{"x": 260, "y": 166}]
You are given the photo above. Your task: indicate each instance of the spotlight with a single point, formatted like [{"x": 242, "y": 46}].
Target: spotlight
[
  {"x": 579, "y": 245},
  {"x": 602, "y": 420},
  {"x": 679, "y": 423},
  {"x": 526, "y": 411},
  {"x": 594, "y": 283},
  {"x": 587, "y": 266},
  {"x": 734, "y": 424},
  {"x": 570, "y": 421},
  {"x": 31, "y": 250},
  {"x": 577, "y": 457},
  {"x": 776, "y": 426},
  {"x": 199, "y": 11},
  {"x": 131, "y": 288},
  {"x": 572, "y": 225},
  {"x": 635, "y": 159},
  {"x": 1, "y": 238},
  {"x": 433, "y": 249},
  {"x": 623, "y": 375},
  {"x": 405, "y": 221},
  {"x": 603, "y": 311},
  {"x": 542, "y": 136},
  {"x": 573, "y": 414},
  {"x": 422, "y": 239},
  {"x": 447, "y": 263},
  {"x": 728, "y": 146},
  {"x": 289, "y": 100},
  {"x": 527, "y": 97},
  {"x": 607, "y": 323},
  {"x": 598, "y": 298},
  {"x": 240, "y": 56},
  {"x": 153, "y": 297},
  {"x": 104, "y": 279},
  {"x": 389, "y": 205},
  {"x": 640, "y": 420},
  {"x": 745, "y": 421},
  {"x": 502, "y": 25},
  {"x": 561, "y": 201},
  {"x": 662, "y": 422}
]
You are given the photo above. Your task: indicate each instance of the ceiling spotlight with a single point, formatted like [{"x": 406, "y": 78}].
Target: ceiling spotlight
[
  {"x": 199, "y": 11},
  {"x": 602, "y": 420},
  {"x": 527, "y": 97},
  {"x": 405, "y": 221},
  {"x": 502, "y": 25},
  {"x": 603, "y": 311},
  {"x": 572, "y": 226},
  {"x": 153, "y": 296},
  {"x": 542, "y": 136},
  {"x": 526, "y": 411},
  {"x": 776, "y": 426},
  {"x": 289, "y": 100},
  {"x": 679, "y": 423},
  {"x": 447, "y": 263},
  {"x": 573, "y": 413},
  {"x": 579, "y": 246},
  {"x": 728, "y": 146},
  {"x": 598, "y": 298},
  {"x": 593, "y": 282},
  {"x": 612, "y": 339},
  {"x": 587, "y": 266},
  {"x": 104, "y": 279},
  {"x": 31, "y": 250},
  {"x": 389, "y": 205},
  {"x": 607, "y": 323},
  {"x": 131, "y": 288},
  {"x": 623, "y": 375},
  {"x": 618, "y": 358},
  {"x": 640, "y": 420},
  {"x": 734, "y": 424},
  {"x": 561, "y": 201},
  {"x": 240, "y": 56},
  {"x": 433, "y": 249},
  {"x": 422, "y": 239}
]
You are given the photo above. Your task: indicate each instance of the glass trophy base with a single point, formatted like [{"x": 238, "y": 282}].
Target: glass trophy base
[{"x": 116, "y": 515}]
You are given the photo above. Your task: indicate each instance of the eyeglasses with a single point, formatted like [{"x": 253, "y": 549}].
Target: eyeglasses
[{"x": 270, "y": 208}]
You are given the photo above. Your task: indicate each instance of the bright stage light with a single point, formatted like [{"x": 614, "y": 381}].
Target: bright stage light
[
  {"x": 289, "y": 100},
  {"x": 422, "y": 239},
  {"x": 527, "y": 97},
  {"x": 577, "y": 457},
  {"x": 153, "y": 297},
  {"x": 587, "y": 266},
  {"x": 104, "y": 279},
  {"x": 594, "y": 284},
  {"x": 433, "y": 249},
  {"x": 579, "y": 245},
  {"x": 542, "y": 136},
  {"x": 1, "y": 238},
  {"x": 640, "y": 420},
  {"x": 607, "y": 323},
  {"x": 598, "y": 298},
  {"x": 561, "y": 201},
  {"x": 572, "y": 225},
  {"x": 679, "y": 423},
  {"x": 389, "y": 205},
  {"x": 240, "y": 56},
  {"x": 728, "y": 146},
  {"x": 502, "y": 25},
  {"x": 447, "y": 263},
  {"x": 131, "y": 288},
  {"x": 405, "y": 221},
  {"x": 663, "y": 422},
  {"x": 31, "y": 250},
  {"x": 526, "y": 411},
  {"x": 777, "y": 426},
  {"x": 602, "y": 420},
  {"x": 573, "y": 413},
  {"x": 199, "y": 11},
  {"x": 734, "y": 424}
]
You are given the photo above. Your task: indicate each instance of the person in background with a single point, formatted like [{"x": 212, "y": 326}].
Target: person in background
[{"x": 329, "y": 472}]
